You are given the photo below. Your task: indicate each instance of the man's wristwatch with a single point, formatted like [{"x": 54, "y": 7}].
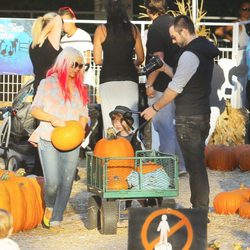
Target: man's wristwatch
[{"x": 148, "y": 86}]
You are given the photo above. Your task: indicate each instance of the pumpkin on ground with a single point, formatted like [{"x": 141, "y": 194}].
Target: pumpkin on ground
[
  {"x": 228, "y": 202},
  {"x": 245, "y": 191},
  {"x": 244, "y": 160},
  {"x": 221, "y": 157},
  {"x": 68, "y": 137},
  {"x": 244, "y": 210},
  {"x": 115, "y": 147},
  {"x": 22, "y": 197},
  {"x": 238, "y": 149}
]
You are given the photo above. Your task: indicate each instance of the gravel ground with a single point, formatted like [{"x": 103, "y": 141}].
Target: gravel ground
[{"x": 74, "y": 236}]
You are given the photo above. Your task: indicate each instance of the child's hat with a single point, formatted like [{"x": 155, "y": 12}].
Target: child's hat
[{"x": 125, "y": 111}]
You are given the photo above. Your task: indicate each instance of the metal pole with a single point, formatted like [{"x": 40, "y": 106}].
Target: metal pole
[{"x": 194, "y": 10}]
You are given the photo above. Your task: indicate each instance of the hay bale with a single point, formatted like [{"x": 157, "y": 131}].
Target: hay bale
[{"x": 230, "y": 127}]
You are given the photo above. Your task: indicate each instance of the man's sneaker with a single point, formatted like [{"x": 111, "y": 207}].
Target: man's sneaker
[{"x": 47, "y": 217}]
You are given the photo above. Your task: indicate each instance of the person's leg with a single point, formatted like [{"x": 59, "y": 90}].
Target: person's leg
[
  {"x": 49, "y": 158},
  {"x": 49, "y": 162},
  {"x": 68, "y": 163},
  {"x": 191, "y": 134}
]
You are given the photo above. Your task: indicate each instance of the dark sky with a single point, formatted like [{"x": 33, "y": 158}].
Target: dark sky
[{"x": 213, "y": 7}]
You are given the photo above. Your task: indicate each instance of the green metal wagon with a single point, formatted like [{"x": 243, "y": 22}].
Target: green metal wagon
[{"x": 104, "y": 205}]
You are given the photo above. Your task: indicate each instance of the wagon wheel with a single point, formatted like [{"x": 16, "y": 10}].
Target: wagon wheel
[
  {"x": 109, "y": 217},
  {"x": 93, "y": 209},
  {"x": 13, "y": 163}
]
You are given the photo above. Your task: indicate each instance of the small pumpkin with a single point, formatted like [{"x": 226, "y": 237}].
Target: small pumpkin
[
  {"x": 68, "y": 137},
  {"x": 112, "y": 147},
  {"x": 244, "y": 210},
  {"x": 228, "y": 202},
  {"x": 147, "y": 168}
]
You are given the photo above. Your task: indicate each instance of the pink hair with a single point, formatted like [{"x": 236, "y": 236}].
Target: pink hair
[{"x": 61, "y": 68}]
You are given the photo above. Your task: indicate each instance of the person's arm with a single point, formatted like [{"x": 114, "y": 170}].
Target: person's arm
[
  {"x": 224, "y": 32},
  {"x": 187, "y": 66},
  {"x": 98, "y": 39},
  {"x": 84, "y": 121},
  {"x": 138, "y": 48},
  {"x": 41, "y": 115}
]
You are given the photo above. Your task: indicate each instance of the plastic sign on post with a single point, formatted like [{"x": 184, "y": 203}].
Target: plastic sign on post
[{"x": 167, "y": 229}]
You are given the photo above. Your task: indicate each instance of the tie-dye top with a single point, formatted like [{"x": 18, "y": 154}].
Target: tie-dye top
[{"x": 50, "y": 98}]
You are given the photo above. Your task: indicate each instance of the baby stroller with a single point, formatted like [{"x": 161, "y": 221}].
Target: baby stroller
[{"x": 17, "y": 125}]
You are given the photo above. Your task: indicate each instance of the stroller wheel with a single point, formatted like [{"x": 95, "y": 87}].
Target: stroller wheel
[{"x": 13, "y": 163}]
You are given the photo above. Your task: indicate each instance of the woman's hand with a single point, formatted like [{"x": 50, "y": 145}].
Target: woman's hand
[{"x": 58, "y": 123}]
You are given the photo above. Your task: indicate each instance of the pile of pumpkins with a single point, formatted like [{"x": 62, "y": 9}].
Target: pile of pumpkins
[
  {"x": 23, "y": 198},
  {"x": 235, "y": 201},
  {"x": 121, "y": 161},
  {"x": 228, "y": 158}
]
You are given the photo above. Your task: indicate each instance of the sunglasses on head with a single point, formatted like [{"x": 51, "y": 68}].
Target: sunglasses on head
[
  {"x": 66, "y": 8},
  {"x": 76, "y": 64},
  {"x": 245, "y": 9}
]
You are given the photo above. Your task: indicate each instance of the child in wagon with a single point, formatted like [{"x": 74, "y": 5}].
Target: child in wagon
[{"x": 122, "y": 122}]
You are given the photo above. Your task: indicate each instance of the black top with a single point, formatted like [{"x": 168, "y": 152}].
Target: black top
[
  {"x": 159, "y": 40},
  {"x": 194, "y": 99},
  {"x": 118, "y": 59},
  {"x": 42, "y": 59}
]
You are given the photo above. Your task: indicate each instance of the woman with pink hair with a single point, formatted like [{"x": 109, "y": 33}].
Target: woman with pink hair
[{"x": 61, "y": 96}]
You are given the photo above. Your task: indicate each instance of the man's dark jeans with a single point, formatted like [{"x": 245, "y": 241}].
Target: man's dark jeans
[{"x": 192, "y": 132}]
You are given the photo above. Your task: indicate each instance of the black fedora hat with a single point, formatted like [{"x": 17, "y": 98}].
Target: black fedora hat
[{"x": 125, "y": 111}]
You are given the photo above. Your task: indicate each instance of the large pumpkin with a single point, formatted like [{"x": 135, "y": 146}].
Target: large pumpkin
[
  {"x": 244, "y": 159},
  {"x": 220, "y": 157},
  {"x": 68, "y": 137},
  {"x": 22, "y": 197},
  {"x": 228, "y": 202},
  {"x": 115, "y": 147}
]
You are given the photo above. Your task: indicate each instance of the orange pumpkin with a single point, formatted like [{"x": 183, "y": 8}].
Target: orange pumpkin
[
  {"x": 244, "y": 160},
  {"x": 220, "y": 157},
  {"x": 68, "y": 137},
  {"x": 115, "y": 147},
  {"x": 244, "y": 210},
  {"x": 122, "y": 172},
  {"x": 147, "y": 167},
  {"x": 245, "y": 191},
  {"x": 22, "y": 197},
  {"x": 117, "y": 183},
  {"x": 228, "y": 202}
]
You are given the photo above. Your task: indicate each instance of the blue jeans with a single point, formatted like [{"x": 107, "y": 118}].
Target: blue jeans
[
  {"x": 192, "y": 132},
  {"x": 59, "y": 172},
  {"x": 163, "y": 123}
]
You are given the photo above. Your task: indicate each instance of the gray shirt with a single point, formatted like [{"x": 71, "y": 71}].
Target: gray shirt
[{"x": 186, "y": 68}]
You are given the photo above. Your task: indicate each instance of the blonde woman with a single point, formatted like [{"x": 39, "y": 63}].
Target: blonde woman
[
  {"x": 6, "y": 227},
  {"x": 45, "y": 46}
]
